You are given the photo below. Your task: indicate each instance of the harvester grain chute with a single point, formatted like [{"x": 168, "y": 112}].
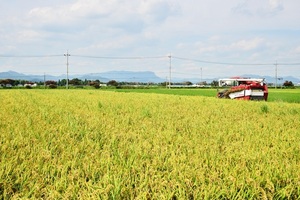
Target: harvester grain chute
[{"x": 243, "y": 88}]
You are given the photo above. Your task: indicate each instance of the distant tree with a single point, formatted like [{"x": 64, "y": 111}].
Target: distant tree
[
  {"x": 23, "y": 82},
  {"x": 164, "y": 83},
  {"x": 214, "y": 83},
  {"x": 95, "y": 84},
  {"x": 51, "y": 82},
  {"x": 85, "y": 82},
  {"x": 288, "y": 84},
  {"x": 75, "y": 81},
  {"x": 17, "y": 82},
  {"x": 92, "y": 83},
  {"x": 52, "y": 86},
  {"x": 187, "y": 83},
  {"x": 7, "y": 81},
  {"x": 202, "y": 83},
  {"x": 29, "y": 82},
  {"x": 112, "y": 83},
  {"x": 63, "y": 82}
]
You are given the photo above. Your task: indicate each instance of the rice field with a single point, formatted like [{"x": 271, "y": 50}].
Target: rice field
[
  {"x": 95, "y": 144},
  {"x": 275, "y": 95}
]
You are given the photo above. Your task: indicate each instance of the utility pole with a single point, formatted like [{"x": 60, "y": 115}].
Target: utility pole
[
  {"x": 201, "y": 75},
  {"x": 170, "y": 69},
  {"x": 276, "y": 75},
  {"x": 67, "y": 55},
  {"x": 166, "y": 82},
  {"x": 44, "y": 80}
]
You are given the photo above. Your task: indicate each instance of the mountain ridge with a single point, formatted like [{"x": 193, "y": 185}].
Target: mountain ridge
[
  {"x": 120, "y": 76},
  {"x": 128, "y": 76}
]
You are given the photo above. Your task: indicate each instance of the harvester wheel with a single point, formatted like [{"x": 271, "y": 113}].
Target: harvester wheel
[{"x": 222, "y": 94}]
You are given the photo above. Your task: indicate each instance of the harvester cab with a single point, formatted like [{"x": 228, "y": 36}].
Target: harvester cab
[{"x": 243, "y": 88}]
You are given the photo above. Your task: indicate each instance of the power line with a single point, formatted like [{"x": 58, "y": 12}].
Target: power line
[
  {"x": 219, "y": 63},
  {"x": 287, "y": 63},
  {"x": 229, "y": 63},
  {"x": 145, "y": 57},
  {"x": 121, "y": 58},
  {"x": 29, "y": 56}
]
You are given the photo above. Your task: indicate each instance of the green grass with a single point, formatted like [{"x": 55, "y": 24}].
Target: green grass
[
  {"x": 188, "y": 92},
  {"x": 275, "y": 95},
  {"x": 284, "y": 95}
]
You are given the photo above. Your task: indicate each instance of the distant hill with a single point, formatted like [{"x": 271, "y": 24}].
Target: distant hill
[
  {"x": 128, "y": 76},
  {"x": 270, "y": 79},
  {"x": 19, "y": 76},
  {"x": 12, "y": 75}
]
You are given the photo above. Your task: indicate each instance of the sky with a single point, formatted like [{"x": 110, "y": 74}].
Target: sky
[{"x": 190, "y": 38}]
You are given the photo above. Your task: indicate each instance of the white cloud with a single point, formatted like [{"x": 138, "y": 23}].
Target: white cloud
[
  {"x": 225, "y": 31},
  {"x": 209, "y": 48},
  {"x": 156, "y": 10},
  {"x": 259, "y": 8},
  {"x": 48, "y": 15},
  {"x": 86, "y": 8},
  {"x": 215, "y": 38},
  {"x": 217, "y": 47},
  {"x": 109, "y": 45},
  {"x": 297, "y": 49},
  {"x": 113, "y": 13},
  {"x": 276, "y": 5},
  {"x": 28, "y": 35},
  {"x": 246, "y": 45}
]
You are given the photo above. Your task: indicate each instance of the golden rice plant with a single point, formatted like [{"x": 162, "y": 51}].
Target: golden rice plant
[{"x": 86, "y": 144}]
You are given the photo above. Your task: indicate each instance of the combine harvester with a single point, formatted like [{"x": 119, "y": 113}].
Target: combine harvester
[{"x": 243, "y": 88}]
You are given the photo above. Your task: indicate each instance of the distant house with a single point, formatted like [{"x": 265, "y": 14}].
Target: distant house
[{"x": 30, "y": 85}]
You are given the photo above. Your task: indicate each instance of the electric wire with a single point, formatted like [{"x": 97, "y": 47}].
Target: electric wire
[
  {"x": 230, "y": 63},
  {"x": 144, "y": 57},
  {"x": 121, "y": 58},
  {"x": 29, "y": 56}
]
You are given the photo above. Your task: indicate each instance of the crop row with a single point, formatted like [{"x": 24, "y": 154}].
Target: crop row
[{"x": 102, "y": 144}]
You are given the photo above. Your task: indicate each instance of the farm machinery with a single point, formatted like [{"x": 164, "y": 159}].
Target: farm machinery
[{"x": 243, "y": 88}]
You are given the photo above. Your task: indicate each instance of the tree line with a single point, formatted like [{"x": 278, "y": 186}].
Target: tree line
[
  {"x": 77, "y": 81},
  {"x": 97, "y": 83}
]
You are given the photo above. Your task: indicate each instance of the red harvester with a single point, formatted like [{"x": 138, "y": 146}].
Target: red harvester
[{"x": 243, "y": 88}]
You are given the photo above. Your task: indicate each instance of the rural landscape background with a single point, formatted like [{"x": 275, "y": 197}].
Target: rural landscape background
[
  {"x": 136, "y": 77},
  {"x": 212, "y": 39},
  {"x": 86, "y": 111}
]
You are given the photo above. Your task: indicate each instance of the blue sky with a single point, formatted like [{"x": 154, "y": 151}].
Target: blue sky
[{"x": 229, "y": 33}]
